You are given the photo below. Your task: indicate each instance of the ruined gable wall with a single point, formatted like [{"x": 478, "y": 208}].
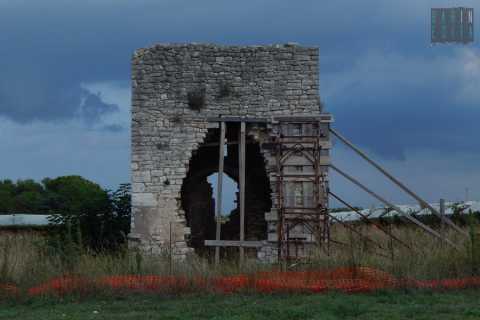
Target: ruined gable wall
[{"x": 175, "y": 88}]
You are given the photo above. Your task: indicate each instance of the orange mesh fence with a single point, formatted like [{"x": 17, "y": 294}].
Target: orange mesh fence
[
  {"x": 347, "y": 280},
  {"x": 61, "y": 286},
  {"x": 8, "y": 290}
]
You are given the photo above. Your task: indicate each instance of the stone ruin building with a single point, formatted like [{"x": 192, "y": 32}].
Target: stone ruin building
[{"x": 262, "y": 103}]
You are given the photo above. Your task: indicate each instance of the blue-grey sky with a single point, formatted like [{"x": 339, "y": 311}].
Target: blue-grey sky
[{"x": 65, "y": 95}]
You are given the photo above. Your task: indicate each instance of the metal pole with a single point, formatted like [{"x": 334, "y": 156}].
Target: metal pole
[
  {"x": 422, "y": 202},
  {"x": 403, "y": 214},
  {"x": 241, "y": 186},
  {"x": 442, "y": 212},
  {"x": 218, "y": 213}
]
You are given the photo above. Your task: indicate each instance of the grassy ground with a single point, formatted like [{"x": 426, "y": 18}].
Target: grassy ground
[{"x": 385, "y": 305}]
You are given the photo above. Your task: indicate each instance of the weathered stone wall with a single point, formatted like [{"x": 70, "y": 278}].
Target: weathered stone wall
[{"x": 175, "y": 89}]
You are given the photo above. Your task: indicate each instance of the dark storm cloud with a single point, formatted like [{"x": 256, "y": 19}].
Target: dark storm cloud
[
  {"x": 392, "y": 104},
  {"x": 51, "y": 47},
  {"x": 48, "y": 101},
  {"x": 93, "y": 108},
  {"x": 113, "y": 128}
]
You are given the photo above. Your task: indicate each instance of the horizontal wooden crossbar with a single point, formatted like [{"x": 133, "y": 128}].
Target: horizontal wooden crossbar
[
  {"x": 237, "y": 119},
  {"x": 233, "y": 243}
]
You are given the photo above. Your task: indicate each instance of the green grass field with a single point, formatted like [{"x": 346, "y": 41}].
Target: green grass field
[{"x": 413, "y": 305}]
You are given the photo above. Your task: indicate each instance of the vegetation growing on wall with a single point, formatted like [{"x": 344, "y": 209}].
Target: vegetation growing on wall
[{"x": 196, "y": 99}]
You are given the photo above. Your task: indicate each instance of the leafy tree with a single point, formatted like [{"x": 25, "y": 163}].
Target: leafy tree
[
  {"x": 121, "y": 201},
  {"x": 24, "y": 196},
  {"x": 7, "y": 195},
  {"x": 80, "y": 207},
  {"x": 83, "y": 214}
]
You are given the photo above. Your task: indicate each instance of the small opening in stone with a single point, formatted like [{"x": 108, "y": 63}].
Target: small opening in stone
[{"x": 229, "y": 193}]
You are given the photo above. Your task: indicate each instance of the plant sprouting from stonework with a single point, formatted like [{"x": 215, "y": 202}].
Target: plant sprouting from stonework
[
  {"x": 225, "y": 90},
  {"x": 196, "y": 99}
]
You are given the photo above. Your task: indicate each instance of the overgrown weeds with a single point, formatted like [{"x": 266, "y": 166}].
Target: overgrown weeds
[{"x": 28, "y": 260}]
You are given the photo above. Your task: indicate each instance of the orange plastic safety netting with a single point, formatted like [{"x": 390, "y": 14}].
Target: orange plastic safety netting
[{"x": 347, "y": 280}]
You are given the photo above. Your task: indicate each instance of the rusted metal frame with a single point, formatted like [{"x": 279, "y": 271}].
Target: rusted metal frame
[
  {"x": 321, "y": 188},
  {"x": 291, "y": 151},
  {"x": 308, "y": 156},
  {"x": 296, "y": 215},
  {"x": 367, "y": 220},
  {"x": 221, "y": 159},
  {"x": 422, "y": 202},
  {"x": 403, "y": 215},
  {"x": 294, "y": 151},
  {"x": 301, "y": 148},
  {"x": 295, "y": 222},
  {"x": 284, "y": 234},
  {"x": 280, "y": 199},
  {"x": 287, "y": 224},
  {"x": 301, "y": 208},
  {"x": 241, "y": 174}
]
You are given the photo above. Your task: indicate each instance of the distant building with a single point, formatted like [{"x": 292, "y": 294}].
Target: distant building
[
  {"x": 23, "y": 223},
  {"x": 452, "y": 25}
]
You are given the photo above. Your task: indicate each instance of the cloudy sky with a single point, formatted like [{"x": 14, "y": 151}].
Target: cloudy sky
[{"x": 65, "y": 91}]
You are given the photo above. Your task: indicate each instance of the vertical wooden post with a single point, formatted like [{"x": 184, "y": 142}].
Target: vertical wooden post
[
  {"x": 442, "y": 212},
  {"x": 241, "y": 161},
  {"x": 218, "y": 213}
]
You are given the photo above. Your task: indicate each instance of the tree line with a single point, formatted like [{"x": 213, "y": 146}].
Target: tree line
[{"x": 81, "y": 210}]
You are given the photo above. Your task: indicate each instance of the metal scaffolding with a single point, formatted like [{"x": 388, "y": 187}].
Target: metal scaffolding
[{"x": 301, "y": 188}]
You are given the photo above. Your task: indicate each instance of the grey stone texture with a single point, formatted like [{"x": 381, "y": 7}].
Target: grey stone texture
[{"x": 176, "y": 87}]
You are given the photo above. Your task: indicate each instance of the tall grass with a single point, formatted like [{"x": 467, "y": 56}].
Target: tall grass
[
  {"x": 425, "y": 257},
  {"x": 27, "y": 259}
]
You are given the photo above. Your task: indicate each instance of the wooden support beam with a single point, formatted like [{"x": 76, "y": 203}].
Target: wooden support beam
[
  {"x": 233, "y": 243},
  {"x": 241, "y": 161},
  {"x": 326, "y": 117},
  {"x": 229, "y": 143},
  {"x": 218, "y": 213},
  {"x": 237, "y": 119},
  {"x": 403, "y": 215},
  {"x": 422, "y": 202}
]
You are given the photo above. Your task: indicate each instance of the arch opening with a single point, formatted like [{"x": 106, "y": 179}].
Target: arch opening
[{"x": 199, "y": 192}]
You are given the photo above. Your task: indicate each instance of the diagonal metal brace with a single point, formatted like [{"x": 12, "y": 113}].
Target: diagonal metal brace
[
  {"x": 403, "y": 215},
  {"x": 422, "y": 202}
]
